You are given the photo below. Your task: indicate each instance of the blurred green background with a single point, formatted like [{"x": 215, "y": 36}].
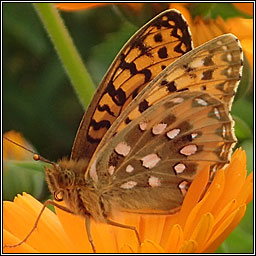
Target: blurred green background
[{"x": 40, "y": 103}]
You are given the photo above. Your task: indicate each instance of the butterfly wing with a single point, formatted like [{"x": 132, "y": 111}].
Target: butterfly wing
[
  {"x": 148, "y": 163},
  {"x": 151, "y": 159},
  {"x": 157, "y": 44},
  {"x": 215, "y": 68}
]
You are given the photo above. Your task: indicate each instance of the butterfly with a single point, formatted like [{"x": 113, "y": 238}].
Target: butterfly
[{"x": 159, "y": 116}]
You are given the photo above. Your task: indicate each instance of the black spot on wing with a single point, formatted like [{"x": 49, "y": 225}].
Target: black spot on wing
[
  {"x": 135, "y": 93},
  {"x": 147, "y": 73},
  {"x": 97, "y": 126},
  {"x": 105, "y": 108},
  {"x": 208, "y": 61},
  {"x": 127, "y": 120},
  {"x": 162, "y": 53},
  {"x": 171, "y": 86},
  {"x": 178, "y": 49},
  {"x": 101, "y": 124},
  {"x": 158, "y": 38},
  {"x": 164, "y": 82},
  {"x": 139, "y": 43},
  {"x": 182, "y": 90},
  {"x": 118, "y": 96},
  {"x": 93, "y": 140},
  {"x": 207, "y": 75},
  {"x": 125, "y": 65},
  {"x": 143, "y": 106},
  {"x": 203, "y": 87}
]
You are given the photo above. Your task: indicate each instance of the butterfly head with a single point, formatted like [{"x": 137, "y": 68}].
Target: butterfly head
[{"x": 65, "y": 175}]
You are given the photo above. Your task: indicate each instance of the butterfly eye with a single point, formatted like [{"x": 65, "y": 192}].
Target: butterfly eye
[{"x": 58, "y": 195}]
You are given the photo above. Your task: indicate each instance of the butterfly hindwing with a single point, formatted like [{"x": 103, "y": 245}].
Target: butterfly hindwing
[
  {"x": 157, "y": 44},
  {"x": 148, "y": 163}
]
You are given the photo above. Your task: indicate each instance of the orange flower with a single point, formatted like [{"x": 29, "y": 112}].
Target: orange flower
[
  {"x": 204, "y": 30},
  {"x": 245, "y": 7},
  {"x": 243, "y": 29},
  {"x": 81, "y": 6},
  {"x": 11, "y": 151},
  {"x": 201, "y": 225}
]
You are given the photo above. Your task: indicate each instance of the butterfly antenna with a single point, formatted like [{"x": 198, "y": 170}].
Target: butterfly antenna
[{"x": 36, "y": 156}]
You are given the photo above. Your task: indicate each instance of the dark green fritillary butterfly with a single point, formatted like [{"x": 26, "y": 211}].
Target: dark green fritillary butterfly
[{"x": 160, "y": 115}]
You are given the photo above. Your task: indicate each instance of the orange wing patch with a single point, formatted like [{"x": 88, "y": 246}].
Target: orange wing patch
[{"x": 160, "y": 42}]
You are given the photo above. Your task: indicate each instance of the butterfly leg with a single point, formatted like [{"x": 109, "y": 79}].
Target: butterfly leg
[
  {"x": 110, "y": 222},
  {"x": 88, "y": 229},
  {"x": 37, "y": 220}
]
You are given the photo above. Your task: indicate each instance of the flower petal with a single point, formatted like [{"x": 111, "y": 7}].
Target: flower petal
[
  {"x": 9, "y": 238},
  {"x": 224, "y": 230},
  {"x": 152, "y": 226},
  {"x": 124, "y": 235},
  {"x": 149, "y": 246},
  {"x": 193, "y": 195},
  {"x": 235, "y": 176},
  {"x": 20, "y": 217},
  {"x": 246, "y": 191},
  {"x": 176, "y": 239},
  {"x": 188, "y": 247},
  {"x": 203, "y": 230},
  {"x": 78, "y": 6},
  {"x": 247, "y": 45},
  {"x": 224, "y": 213},
  {"x": 215, "y": 191},
  {"x": 126, "y": 249},
  {"x": 12, "y": 151},
  {"x": 76, "y": 232},
  {"x": 245, "y": 7}
]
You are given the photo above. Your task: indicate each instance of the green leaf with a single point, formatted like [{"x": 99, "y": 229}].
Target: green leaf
[
  {"x": 243, "y": 108},
  {"x": 213, "y": 10},
  {"x": 67, "y": 51},
  {"x": 21, "y": 23},
  {"x": 140, "y": 17},
  {"x": 245, "y": 82},
  {"x": 103, "y": 54},
  {"x": 242, "y": 130},
  {"x": 247, "y": 145},
  {"x": 241, "y": 239},
  {"x": 20, "y": 176},
  {"x": 201, "y": 9}
]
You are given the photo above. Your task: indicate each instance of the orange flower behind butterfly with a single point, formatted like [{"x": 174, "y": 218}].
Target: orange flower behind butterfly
[
  {"x": 11, "y": 151},
  {"x": 245, "y": 7},
  {"x": 205, "y": 29},
  {"x": 202, "y": 224},
  {"x": 82, "y": 6}
]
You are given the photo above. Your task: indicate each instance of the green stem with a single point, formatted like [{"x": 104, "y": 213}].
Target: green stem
[{"x": 67, "y": 52}]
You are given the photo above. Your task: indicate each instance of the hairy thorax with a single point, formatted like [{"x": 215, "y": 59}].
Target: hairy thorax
[{"x": 66, "y": 182}]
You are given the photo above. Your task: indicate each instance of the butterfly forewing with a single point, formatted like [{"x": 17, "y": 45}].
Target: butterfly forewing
[{"x": 157, "y": 44}]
